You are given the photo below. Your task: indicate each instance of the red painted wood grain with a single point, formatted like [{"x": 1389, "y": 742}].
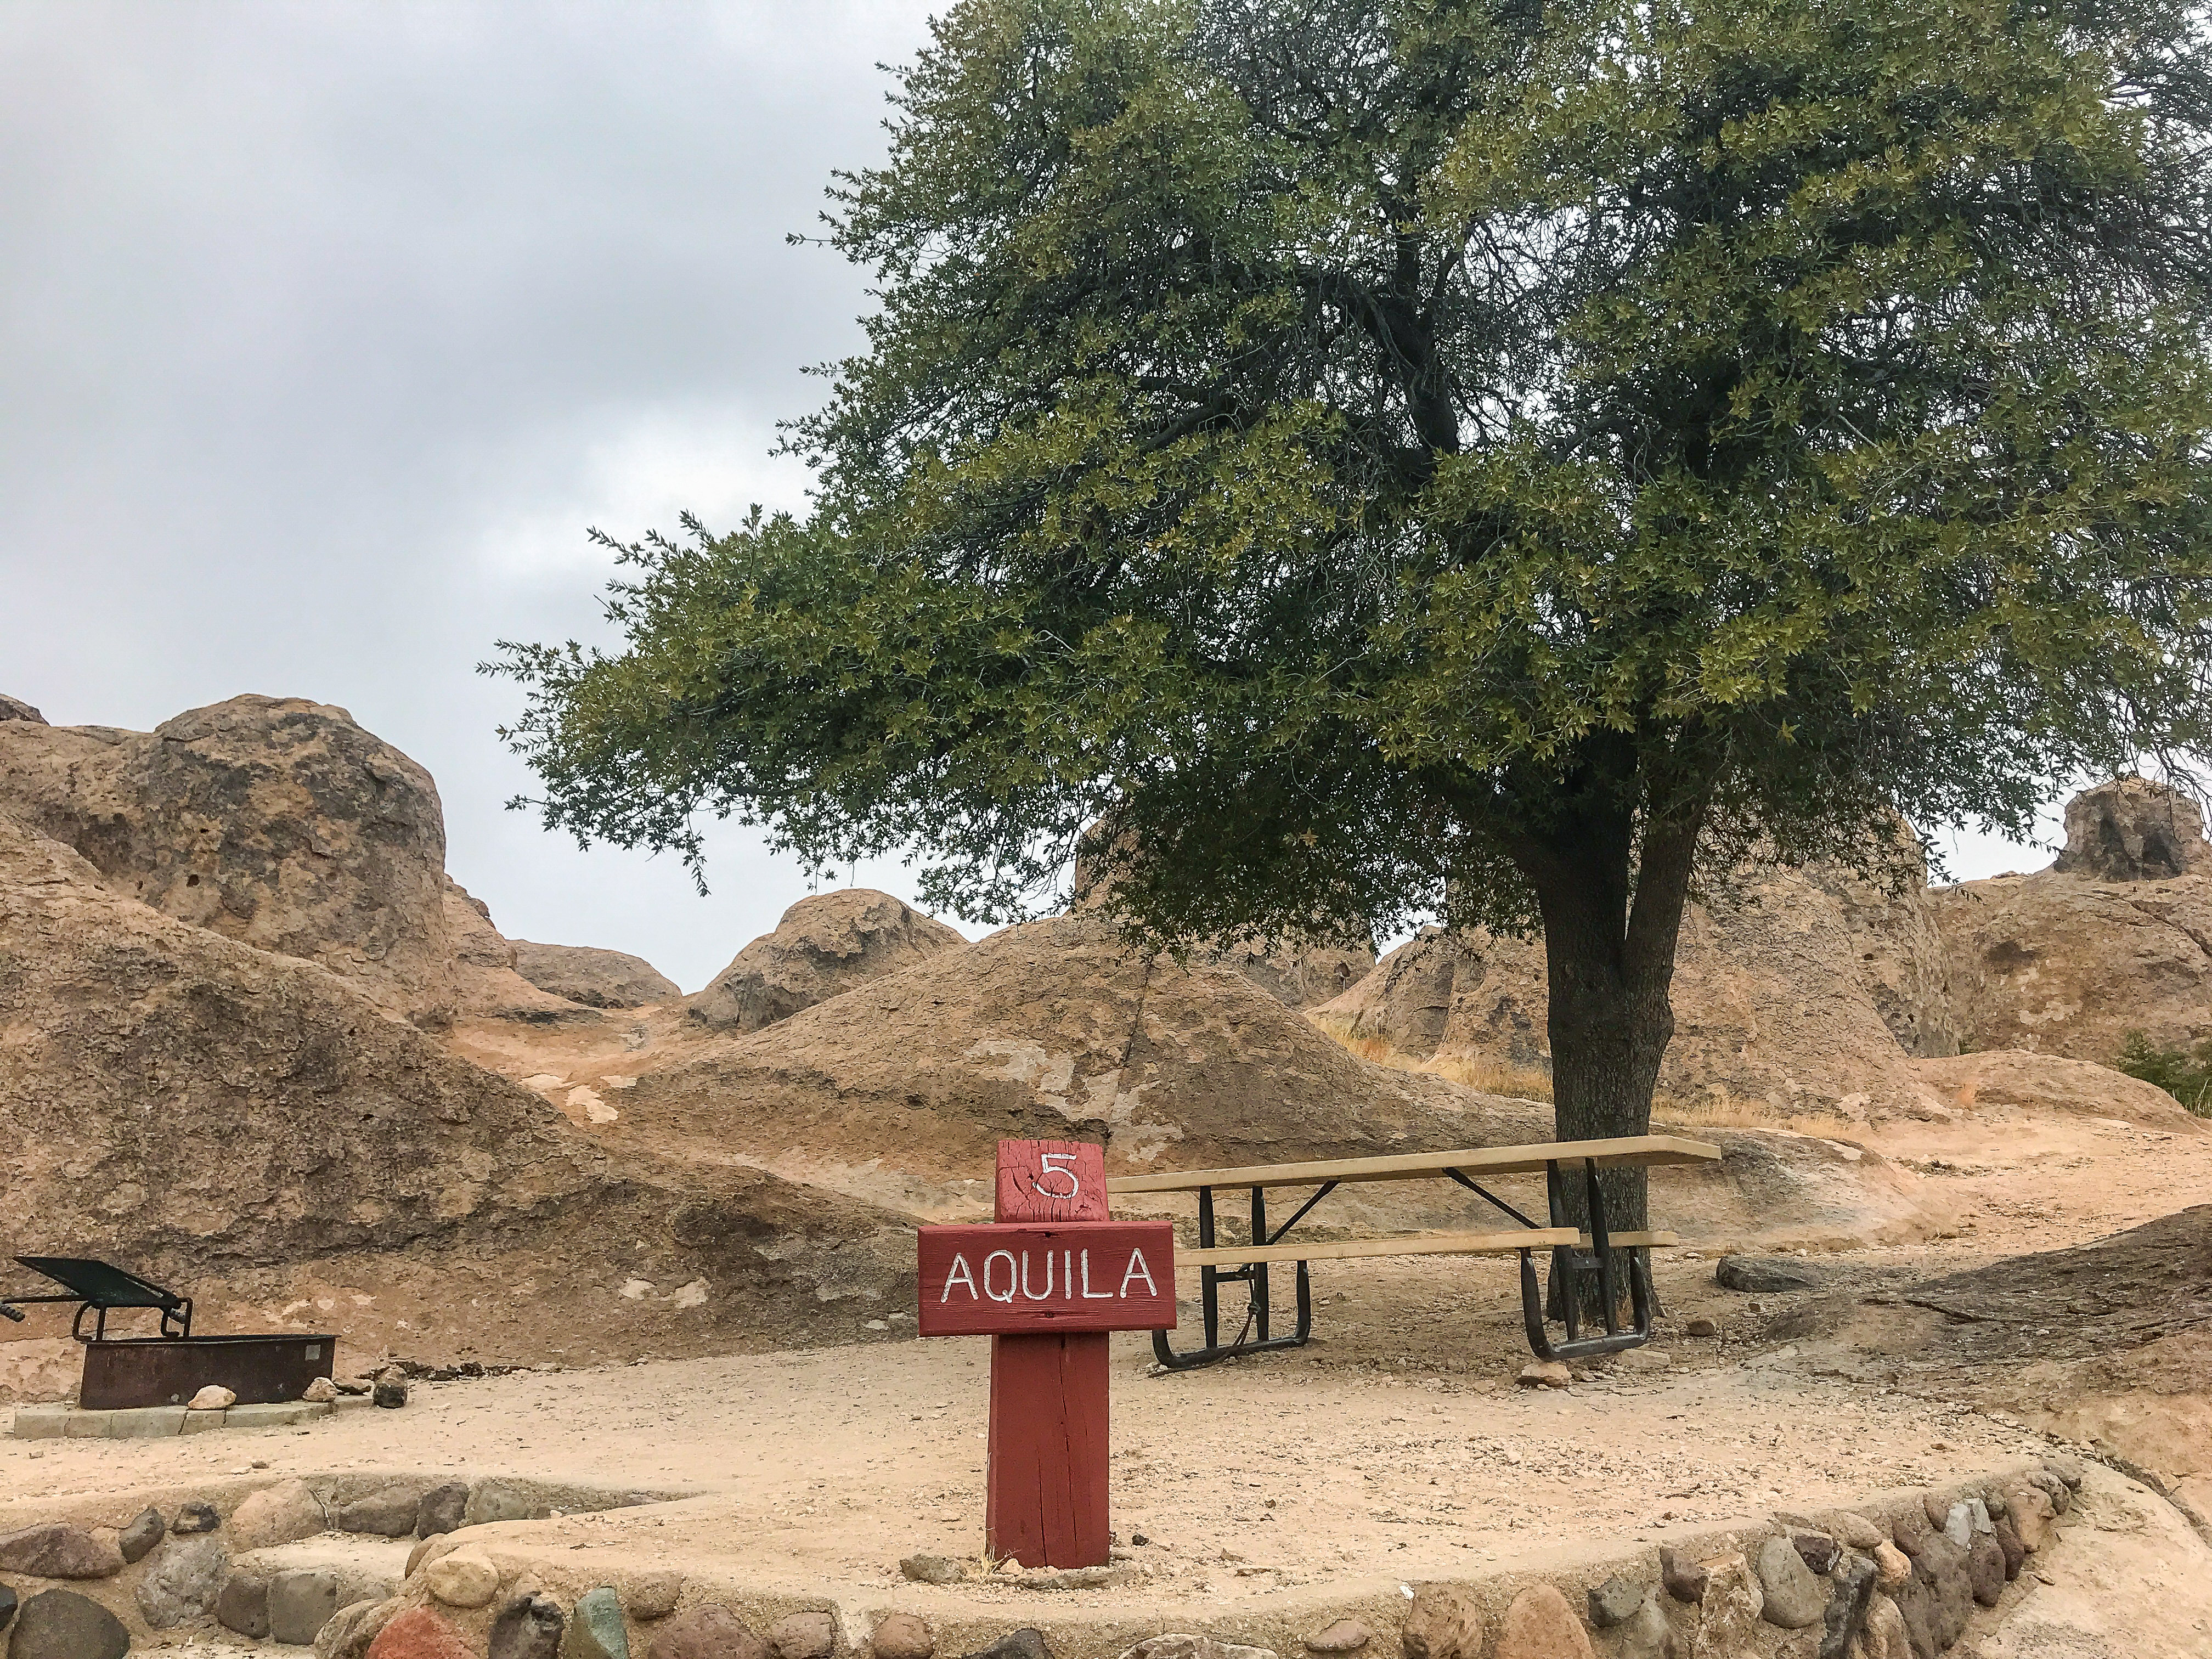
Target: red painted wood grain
[
  {"x": 1050, "y": 1181},
  {"x": 1045, "y": 1502}
]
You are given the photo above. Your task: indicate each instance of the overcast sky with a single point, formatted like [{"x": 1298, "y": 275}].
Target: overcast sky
[{"x": 326, "y": 330}]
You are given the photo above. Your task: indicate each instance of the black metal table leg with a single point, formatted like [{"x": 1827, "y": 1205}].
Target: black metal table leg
[
  {"x": 1568, "y": 1269},
  {"x": 1255, "y": 1336}
]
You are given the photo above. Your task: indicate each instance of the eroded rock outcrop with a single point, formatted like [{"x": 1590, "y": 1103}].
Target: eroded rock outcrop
[
  {"x": 253, "y": 1129},
  {"x": 1774, "y": 998},
  {"x": 14, "y": 709},
  {"x": 824, "y": 944},
  {"x": 899, "y": 1090},
  {"x": 2115, "y": 937},
  {"x": 2133, "y": 829},
  {"x": 594, "y": 977}
]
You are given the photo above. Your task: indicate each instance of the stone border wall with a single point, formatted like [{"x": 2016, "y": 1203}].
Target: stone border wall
[{"x": 1902, "y": 1575}]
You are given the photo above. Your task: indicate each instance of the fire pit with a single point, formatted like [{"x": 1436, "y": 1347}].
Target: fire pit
[{"x": 126, "y": 1372}]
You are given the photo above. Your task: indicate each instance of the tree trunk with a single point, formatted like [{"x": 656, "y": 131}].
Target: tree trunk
[{"x": 1612, "y": 905}]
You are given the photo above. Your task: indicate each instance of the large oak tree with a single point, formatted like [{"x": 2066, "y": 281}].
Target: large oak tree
[{"x": 1394, "y": 457}]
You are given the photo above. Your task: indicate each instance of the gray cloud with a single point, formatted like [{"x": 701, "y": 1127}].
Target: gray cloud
[{"x": 325, "y": 329}]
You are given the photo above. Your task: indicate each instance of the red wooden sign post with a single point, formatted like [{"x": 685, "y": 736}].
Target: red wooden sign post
[{"x": 1046, "y": 1281}]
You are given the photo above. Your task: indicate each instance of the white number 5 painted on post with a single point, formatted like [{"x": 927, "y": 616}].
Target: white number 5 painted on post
[{"x": 1056, "y": 1164}]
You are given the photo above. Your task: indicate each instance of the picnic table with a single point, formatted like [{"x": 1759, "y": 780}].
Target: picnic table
[{"x": 1613, "y": 1258}]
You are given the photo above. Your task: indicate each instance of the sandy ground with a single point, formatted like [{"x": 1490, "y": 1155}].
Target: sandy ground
[
  {"x": 1395, "y": 1446},
  {"x": 1241, "y": 1478}
]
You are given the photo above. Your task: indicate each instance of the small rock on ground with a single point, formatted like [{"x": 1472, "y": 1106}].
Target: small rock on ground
[
  {"x": 2008, "y": 1540},
  {"x": 213, "y": 1398},
  {"x": 320, "y": 1392},
  {"x": 803, "y": 1635},
  {"x": 300, "y": 1603},
  {"x": 353, "y": 1627},
  {"x": 419, "y": 1633},
  {"x": 1444, "y": 1623},
  {"x": 1685, "y": 1580},
  {"x": 243, "y": 1605},
  {"x": 654, "y": 1595},
  {"x": 527, "y": 1628},
  {"x": 595, "y": 1626},
  {"x": 1844, "y": 1616},
  {"x": 1766, "y": 1274},
  {"x": 281, "y": 1513},
  {"x": 183, "y": 1578},
  {"x": 1541, "y": 1624},
  {"x": 1857, "y": 1532},
  {"x": 1614, "y": 1602},
  {"x": 60, "y": 1550},
  {"x": 1729, "y": 1615},
  {"x": 1885, "y": 1636},
  {"x": 932, "y": 1569},
  {"x": 1891, "y": 1565},
  {"x": 901, "y": 1635},
  {"x": 1701, "y": 1328},
  {"x": 708, "y": 1632},
  {"x": 1545, "y": 1374},
  {"x": 1345, "y": 1636},
  {"x": 196, "y": 1517},
  {"x": 1986, "y": 1570},
  {"x": 2031, "y": 1512},
  {"x": 463, "y": 1578},
  {"x": 441, "y": 1509},
  {"x": 387, "y": 1514},
  {"x": 59, "y": 1624},
  {"x": 391, "y": 1393},
  {"x": 1646, "y": 1635},
  {"x": 145, "y": 1530}
]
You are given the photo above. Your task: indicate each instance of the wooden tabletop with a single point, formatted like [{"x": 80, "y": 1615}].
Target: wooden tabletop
[{"x": 1412, "y": 1166}]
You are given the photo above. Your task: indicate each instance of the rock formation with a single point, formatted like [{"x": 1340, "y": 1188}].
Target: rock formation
[
  {"x": 254, "y": 1130},
  {"x": 277, "y": 822},
  {"x": 2011, "y": 1080},
  {"x": 596, "y": 978},
  {"x": 14, "y": 709},
  {"x": 1297, "y": 975},
  {"x": 824, "y": 945},
  {"x": 897, "y": 1091},
  {"x": 1774, "y": 994},
  {"x": 2133, "y": 829},
  {"x": 2116, "y": 937}
]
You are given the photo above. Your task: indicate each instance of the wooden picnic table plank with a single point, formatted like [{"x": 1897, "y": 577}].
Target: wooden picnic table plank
[
  {"x": 1647, "y": 1150},
  {"x": 1521, "y": 1238}
]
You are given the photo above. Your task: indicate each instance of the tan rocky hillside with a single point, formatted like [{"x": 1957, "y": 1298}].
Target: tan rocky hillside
[
  {"x": 823, "y": 946},
  {"x": 596, "y": 978},
  {"x": 277, "y": 822},
  {"x": 897, "y": 1091},
  {"x": 1772, "y": 1006},
  {"x": 252, "y": 1129},
  {"x": 256, "y": 1042},
  {"x": 2116, "y": 937},
  {"x": 1811, "y": 992}
]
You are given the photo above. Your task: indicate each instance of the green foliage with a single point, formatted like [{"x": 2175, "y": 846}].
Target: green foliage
[
  {"x": 1392, "y": 455},
  {"x": 2184, "y": 1073}
]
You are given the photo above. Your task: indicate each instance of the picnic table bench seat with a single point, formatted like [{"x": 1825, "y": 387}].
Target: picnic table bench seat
[{"x": 1613, "y": 1258}]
